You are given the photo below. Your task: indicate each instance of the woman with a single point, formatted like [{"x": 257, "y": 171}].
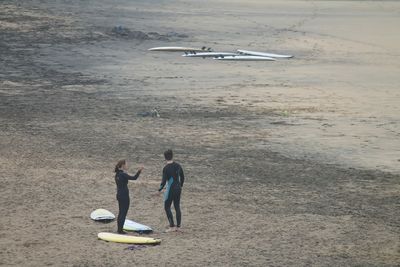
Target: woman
[{"x": 121, "y": 179}]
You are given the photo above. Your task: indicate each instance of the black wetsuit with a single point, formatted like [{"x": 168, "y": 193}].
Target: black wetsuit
[
  {"x": 121, "y": 179},
  {"x": 173, "y": 174}
]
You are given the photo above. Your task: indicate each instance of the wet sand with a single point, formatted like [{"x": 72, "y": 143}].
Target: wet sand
[{"x": 288, "y": 163}]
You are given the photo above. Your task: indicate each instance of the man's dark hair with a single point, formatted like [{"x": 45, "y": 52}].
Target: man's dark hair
[{"x": 168, "y": 155}]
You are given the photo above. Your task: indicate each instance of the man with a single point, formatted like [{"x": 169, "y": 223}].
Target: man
[{"x": 172, "y": 176}]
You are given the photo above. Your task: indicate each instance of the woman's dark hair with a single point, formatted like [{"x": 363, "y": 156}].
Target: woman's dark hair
[
  {"x": 168, "y": 155},
  {"x": 119, "y": 165}
]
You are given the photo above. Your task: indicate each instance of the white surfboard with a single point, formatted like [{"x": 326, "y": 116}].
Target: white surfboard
[
  {"x": 102, "y": 215},
  {"x": 210, "y": 54},
  {"x": 177, "y": 49},
  {"x": 130, "y": 225},
  {"x": 262, "y": 54},
  {"x": 245, "y": 58}
]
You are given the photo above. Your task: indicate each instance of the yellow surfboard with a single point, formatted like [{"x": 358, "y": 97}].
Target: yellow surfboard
[{"x": 129, "y": 239}]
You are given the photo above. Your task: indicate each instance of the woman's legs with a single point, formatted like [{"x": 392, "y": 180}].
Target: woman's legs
[{"x": 123, "y": 204}]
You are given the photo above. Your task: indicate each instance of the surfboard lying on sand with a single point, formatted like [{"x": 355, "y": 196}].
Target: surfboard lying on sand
[
  {"x": 210, "y": 54},
  {"x": 178, "y": 49},
  {"x": 129, "y": 239},
  {"x": 254, "y": 53},
  {"x": 136, "y": 227},
  {"x": 102, "y": 215},
  {"x": 245, "y": 58}
]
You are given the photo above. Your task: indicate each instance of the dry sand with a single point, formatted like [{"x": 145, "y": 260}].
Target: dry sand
[{"x": 288, "y": 163}]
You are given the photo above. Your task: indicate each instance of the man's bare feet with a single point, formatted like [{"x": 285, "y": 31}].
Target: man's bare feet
[{"x": 171, "y": 229}]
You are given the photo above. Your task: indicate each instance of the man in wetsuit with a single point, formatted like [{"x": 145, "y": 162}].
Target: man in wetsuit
[{"x": 172, "y": 176}]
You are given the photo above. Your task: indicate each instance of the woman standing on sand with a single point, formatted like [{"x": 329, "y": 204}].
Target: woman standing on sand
[{"x": 121, "y": 180}]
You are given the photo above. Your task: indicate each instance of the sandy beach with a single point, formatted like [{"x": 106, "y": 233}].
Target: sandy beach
[{"x": 294, "y": 162}]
